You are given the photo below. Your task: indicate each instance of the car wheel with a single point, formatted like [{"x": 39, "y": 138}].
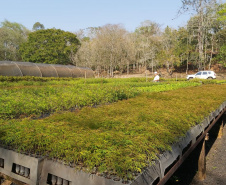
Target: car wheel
[
  {"x": 190, "y": 78},
  {"x": 210, "y": 78}
]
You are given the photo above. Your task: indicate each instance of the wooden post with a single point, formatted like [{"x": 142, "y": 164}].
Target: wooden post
[
  {"x": 202, "y": 161},
  {"x": 6, "y": 182},
  {"x": 220, "y": 133},
  {"x": 9, "y": 180}
]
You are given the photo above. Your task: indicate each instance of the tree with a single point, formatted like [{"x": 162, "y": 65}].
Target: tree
[
  {"x": 221, "y": 36},
  {"x": 204, "y": 18},
  {"x": 52, "y": 46},
  {"x": 148, "y": 41},
  {"x": 38, "y": 26},
  {"x": 183, "y": 47},
  {"x": 222, "y": 12},
  {"x": 222, "y": 55},
  {"x": 168, "y": 55},
  {"x": 111, "y": 42},
  {"x": 203, "y": 31},
  {"x": 12, "y": 35},
  {"x": 108, "y": 47}
]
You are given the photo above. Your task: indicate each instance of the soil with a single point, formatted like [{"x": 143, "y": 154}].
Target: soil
[{"x": 215, "y": 162}]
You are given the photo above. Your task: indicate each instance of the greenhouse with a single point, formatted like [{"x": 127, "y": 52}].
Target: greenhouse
[{"x": 11, "y": 68}]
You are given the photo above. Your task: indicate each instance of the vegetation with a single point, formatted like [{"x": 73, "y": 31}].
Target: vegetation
[
  {"x": 199, "y": 44},
  {"x": 38, "y": 26},
  {"x": 52, "y": 46},
  {"x": 12, "y": 35},
  {"x": 44, "y": 96},
  {"x": 87, "y": 126},
  {"x": 112, "y": 49},
  {"x": 120, "y": 138}
]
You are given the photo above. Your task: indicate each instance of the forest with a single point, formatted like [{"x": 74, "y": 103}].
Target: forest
[{"x": 111, "y": 49}]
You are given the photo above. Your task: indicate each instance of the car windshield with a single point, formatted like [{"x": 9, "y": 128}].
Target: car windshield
[{"x": 199, "y": 73}]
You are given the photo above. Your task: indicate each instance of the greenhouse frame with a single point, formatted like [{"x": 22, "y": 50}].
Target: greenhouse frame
[{"x": 12, "y": 68}]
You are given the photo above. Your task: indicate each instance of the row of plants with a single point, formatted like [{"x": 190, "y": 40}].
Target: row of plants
[
  {"x": 27, "y": 81},
  {"x": 36, "y": 101},
  {"x": 116, "y": 139},
  {"x": 35, "y": 98}
]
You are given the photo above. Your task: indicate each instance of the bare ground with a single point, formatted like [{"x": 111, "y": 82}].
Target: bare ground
[{"x": 215, "y": 162}]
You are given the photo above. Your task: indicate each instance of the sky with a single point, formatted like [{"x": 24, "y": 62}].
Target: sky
[{"x": 72, "y": 15}]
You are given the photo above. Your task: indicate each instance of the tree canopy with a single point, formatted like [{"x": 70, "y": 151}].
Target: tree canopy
[
  {"x": 52, "y": 46},
  {"x": 12, "y": 35},
  {"x": 112, "y": 49},
  {"x": 38, "y": 26}
]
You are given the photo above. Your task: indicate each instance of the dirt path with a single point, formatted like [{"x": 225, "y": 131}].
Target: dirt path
[{"x": 215, "y": 164}]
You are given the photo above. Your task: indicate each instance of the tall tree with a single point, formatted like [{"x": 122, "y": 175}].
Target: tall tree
[
  {"x": 202, "y": 10},
  {"x": 51, "y": 46},
  {"x": 12, "y": 35},
  {"x": 221, "y": 35},
  {"x": 148, "y": 41},
  {"x": 168, "y": 55},
  {"x": 108, "y": 48}
]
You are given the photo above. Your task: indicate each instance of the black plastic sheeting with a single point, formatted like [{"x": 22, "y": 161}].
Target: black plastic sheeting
[{"x": 11, "y": 68}]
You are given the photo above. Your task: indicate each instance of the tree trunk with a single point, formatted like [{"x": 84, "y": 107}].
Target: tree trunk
[
  {"x": 152, "y": 65},
  {"x": 211, "y": 55},
  {"x": 200, "y": 45},
  {"x": 167, "y": 67},
  {"x": 187, "y": 65},
  {"x": 200, "y": 38},
  {"x": 127, "y": 68}
]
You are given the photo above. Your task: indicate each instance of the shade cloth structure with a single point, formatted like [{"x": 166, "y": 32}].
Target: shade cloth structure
[{"x": 12, "y": 68}]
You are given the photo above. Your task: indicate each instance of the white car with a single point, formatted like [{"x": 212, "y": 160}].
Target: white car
[{"x": 203, "y": 75}]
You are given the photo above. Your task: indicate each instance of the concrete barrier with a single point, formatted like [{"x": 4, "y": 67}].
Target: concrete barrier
[{"x": 21, "y": 167}]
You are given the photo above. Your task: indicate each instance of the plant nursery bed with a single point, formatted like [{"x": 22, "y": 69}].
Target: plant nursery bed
[{"x": 120, "y": 140}]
